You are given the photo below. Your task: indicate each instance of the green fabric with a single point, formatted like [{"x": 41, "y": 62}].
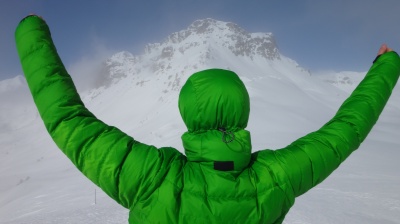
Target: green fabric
[
  {"x": 124, "y": 168},
  {"x": 213, "y": 99},
  {"x": 215, "y": 107},
  {"x": 164, "y": 186}
]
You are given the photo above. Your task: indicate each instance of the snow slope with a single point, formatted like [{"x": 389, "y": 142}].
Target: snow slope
[{"x": 138, "y": 94}]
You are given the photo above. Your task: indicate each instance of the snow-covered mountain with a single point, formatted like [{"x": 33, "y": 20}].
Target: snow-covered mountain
[
  {"x": 205, "y": 43},
  {"x": 138, "y": 94}
]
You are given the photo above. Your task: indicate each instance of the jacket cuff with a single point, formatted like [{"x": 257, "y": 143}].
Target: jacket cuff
[{"x": 377, "y": 57}]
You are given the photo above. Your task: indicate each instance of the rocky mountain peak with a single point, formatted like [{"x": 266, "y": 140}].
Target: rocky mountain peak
[
  {"x": 205, "y": 26},
  {"x": 205, "y": 43},
  {"x": 211, "y": 32}
]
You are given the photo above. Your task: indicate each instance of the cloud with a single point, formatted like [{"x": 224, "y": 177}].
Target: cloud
[{"x": 87, "y": 72}]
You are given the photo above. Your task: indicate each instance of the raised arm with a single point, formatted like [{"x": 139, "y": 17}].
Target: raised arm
[
  {"x": 309, "y": 160},
  {"x": 122, "y": 167}
]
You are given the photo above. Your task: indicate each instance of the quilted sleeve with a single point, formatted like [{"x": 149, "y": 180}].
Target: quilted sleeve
[
  {"x": 124, "y": 168},
  {"x": 310, "y": 159}
]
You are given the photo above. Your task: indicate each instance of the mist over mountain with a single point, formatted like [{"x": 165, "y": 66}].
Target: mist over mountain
[{"x": 138, "y": 94}]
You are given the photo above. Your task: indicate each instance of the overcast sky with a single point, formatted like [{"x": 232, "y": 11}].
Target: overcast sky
[{"x": 319, "y": 34}]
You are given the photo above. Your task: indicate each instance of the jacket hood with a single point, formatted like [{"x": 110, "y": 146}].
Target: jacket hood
[{"x": 215, "y": 107}]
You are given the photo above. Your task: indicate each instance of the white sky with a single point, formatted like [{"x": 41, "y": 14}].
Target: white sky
[{"x": 318, "y": 34}]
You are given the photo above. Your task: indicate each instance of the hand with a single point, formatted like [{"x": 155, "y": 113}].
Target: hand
[{"x": 384, "y": 49}]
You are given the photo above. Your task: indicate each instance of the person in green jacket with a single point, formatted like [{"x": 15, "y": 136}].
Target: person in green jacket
[{"x": 219, "y": 179}]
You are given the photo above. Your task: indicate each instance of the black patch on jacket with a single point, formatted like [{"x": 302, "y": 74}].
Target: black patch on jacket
[{"x": 223, "y": 165}]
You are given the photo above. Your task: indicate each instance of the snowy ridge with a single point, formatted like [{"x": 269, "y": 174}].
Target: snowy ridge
[
  {"x": 345, "y": 80},
  {"x": 138, "y": 94}
]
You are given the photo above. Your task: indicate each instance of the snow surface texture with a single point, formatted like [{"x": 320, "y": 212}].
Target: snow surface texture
[{"x": 138, "y": 94}]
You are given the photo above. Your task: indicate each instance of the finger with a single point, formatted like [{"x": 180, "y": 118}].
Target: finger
[{"x": 383, "y": 49}]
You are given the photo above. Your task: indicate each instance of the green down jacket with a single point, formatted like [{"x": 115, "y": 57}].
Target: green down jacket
[{"x": 219, "y": 180}]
